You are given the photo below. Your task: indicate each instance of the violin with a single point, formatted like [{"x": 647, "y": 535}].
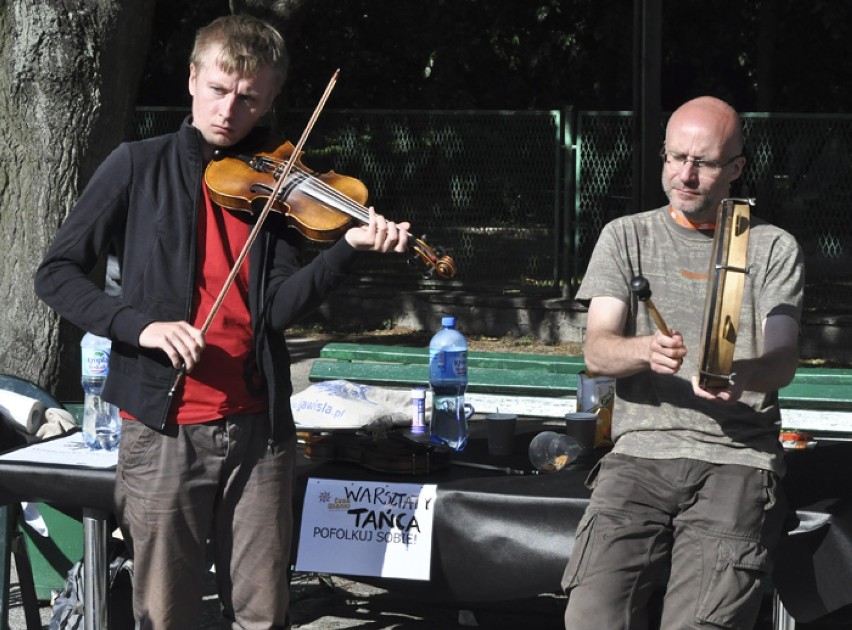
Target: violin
[
  {"x": 320, "y": 206},
  {"x": 237, "y": 182},
  {"x": 392, "y": 453}
]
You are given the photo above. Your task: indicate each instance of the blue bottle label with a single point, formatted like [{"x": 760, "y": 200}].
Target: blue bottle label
[
  {"x": 460, "y": 363},
  {"x": 95, "y": 362},
  {"x": 449, "y": 365}
]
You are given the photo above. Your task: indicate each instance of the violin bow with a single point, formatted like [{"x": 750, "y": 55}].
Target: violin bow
[{"x": 252, "y": 237}]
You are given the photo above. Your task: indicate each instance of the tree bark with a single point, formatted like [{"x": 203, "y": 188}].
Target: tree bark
[
  {"x": 282, "y": 14},
  {"x": 69, "y": 72},
  {"x": 765, "y": 68}
]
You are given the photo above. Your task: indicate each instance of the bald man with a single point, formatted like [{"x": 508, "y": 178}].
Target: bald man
[{"x": 689, "y": 499}]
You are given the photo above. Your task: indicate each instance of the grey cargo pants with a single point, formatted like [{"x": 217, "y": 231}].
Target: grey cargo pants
[{"x": 712, "y": 525}]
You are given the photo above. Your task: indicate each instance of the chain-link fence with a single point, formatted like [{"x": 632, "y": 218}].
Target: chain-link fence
[
  {"x": 497, "y": 190},
  {"x": 481, "y": 186},
  {"x": 799, "y": 170}
]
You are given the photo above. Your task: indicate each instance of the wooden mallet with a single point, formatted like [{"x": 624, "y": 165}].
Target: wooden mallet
[{"x": 640, "y": 286}]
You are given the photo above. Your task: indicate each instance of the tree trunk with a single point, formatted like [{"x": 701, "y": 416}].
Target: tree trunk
[
  {"x": 68, "y": 82},
  {"x": 282, "y": 14},
  {"x": 765, "y": 67}
]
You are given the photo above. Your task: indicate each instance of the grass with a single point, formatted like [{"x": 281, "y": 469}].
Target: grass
[{"x": 401, "y": 336}]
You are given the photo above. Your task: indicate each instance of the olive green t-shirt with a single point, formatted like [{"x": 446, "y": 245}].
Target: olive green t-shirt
[{"x": 658, "y": 416}]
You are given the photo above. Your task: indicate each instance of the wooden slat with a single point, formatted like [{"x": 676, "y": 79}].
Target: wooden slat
[
  {"x": 816, "y": 396},
  {"x": 558, "y": 364},
  {"x": 372, "y": 373},
  {"x": 368, "y": 352},
  {"x": 523, "y": 406},
  {"x": 806, "y": 376},
  {"x": 480, "y": 380},
  {"x": 554, "y": 364}
]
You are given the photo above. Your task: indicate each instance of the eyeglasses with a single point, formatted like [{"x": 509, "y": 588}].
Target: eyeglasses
[{"x": 697, "y": 163}]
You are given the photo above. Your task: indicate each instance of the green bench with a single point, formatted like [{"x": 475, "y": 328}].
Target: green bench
[
  {"x": 546, "y": 385},
  {"x": 540, "y": 385},
  {"x": 488, "y": 372},
  {"x": 819, "y": 388}
]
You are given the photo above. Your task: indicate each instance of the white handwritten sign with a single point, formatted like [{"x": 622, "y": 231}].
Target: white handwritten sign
[{"x": 367, "y": 528}]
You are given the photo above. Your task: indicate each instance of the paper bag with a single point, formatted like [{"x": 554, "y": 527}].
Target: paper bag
[{"x": 341, "y": 404}]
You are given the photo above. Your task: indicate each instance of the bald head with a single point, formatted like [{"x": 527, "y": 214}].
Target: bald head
[
  {"x": 713, "y": 117},
  {"x": 703, "y": 156}
]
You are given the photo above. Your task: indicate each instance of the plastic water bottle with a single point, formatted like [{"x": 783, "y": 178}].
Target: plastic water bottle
[
  {"x": 448, "y": 380},
  {"x": 101, "y": 422}
]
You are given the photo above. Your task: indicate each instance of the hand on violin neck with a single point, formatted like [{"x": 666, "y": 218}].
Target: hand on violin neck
[
  {"x": 181, "y": 342},
  {"x": 379, "y": 235}
]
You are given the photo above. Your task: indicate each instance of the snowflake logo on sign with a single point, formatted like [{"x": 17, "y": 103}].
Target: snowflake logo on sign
[{"x": 325, "y": 497}]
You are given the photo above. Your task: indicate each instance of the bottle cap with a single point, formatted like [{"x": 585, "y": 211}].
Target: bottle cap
[{"x": 448, "y": 320}]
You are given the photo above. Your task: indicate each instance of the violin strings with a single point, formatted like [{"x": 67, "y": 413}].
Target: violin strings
[
  {"x": 322, "y": 192},
  {"x": 351, "y": 207}
]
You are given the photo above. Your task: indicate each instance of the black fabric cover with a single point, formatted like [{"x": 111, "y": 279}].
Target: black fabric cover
[{"x": 501, "y": 536}]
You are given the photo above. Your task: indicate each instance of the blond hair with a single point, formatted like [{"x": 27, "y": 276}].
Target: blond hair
[{"x": 247, "y": 45}]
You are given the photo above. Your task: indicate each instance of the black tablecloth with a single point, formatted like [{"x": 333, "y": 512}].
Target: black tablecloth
[
  {"x": 497, "y": 536},
  {"x": 500, "y": 536},
  {"x": 68, "y": 487},
  {"x": 813, "y": 565}
]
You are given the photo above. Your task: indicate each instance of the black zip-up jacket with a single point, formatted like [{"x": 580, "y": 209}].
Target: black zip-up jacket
[{"x": 142, "y": 201}]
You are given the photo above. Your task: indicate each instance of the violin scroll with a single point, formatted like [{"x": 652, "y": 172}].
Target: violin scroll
[{"x": 436, "y": 260}]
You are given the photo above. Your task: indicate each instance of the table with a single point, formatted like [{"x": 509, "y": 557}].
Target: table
[
  {"x": 525, "y": 522},
  {"x": 500, "y": 536},
  {"x": 88, "y": 489},
  {"x": 813, "y": 566}
]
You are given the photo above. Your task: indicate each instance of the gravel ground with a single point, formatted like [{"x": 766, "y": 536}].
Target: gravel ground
[{"x": 334, "y": 602}]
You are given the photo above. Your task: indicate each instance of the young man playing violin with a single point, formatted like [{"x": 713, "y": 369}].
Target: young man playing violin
[{"x": 215, "y": 457}]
